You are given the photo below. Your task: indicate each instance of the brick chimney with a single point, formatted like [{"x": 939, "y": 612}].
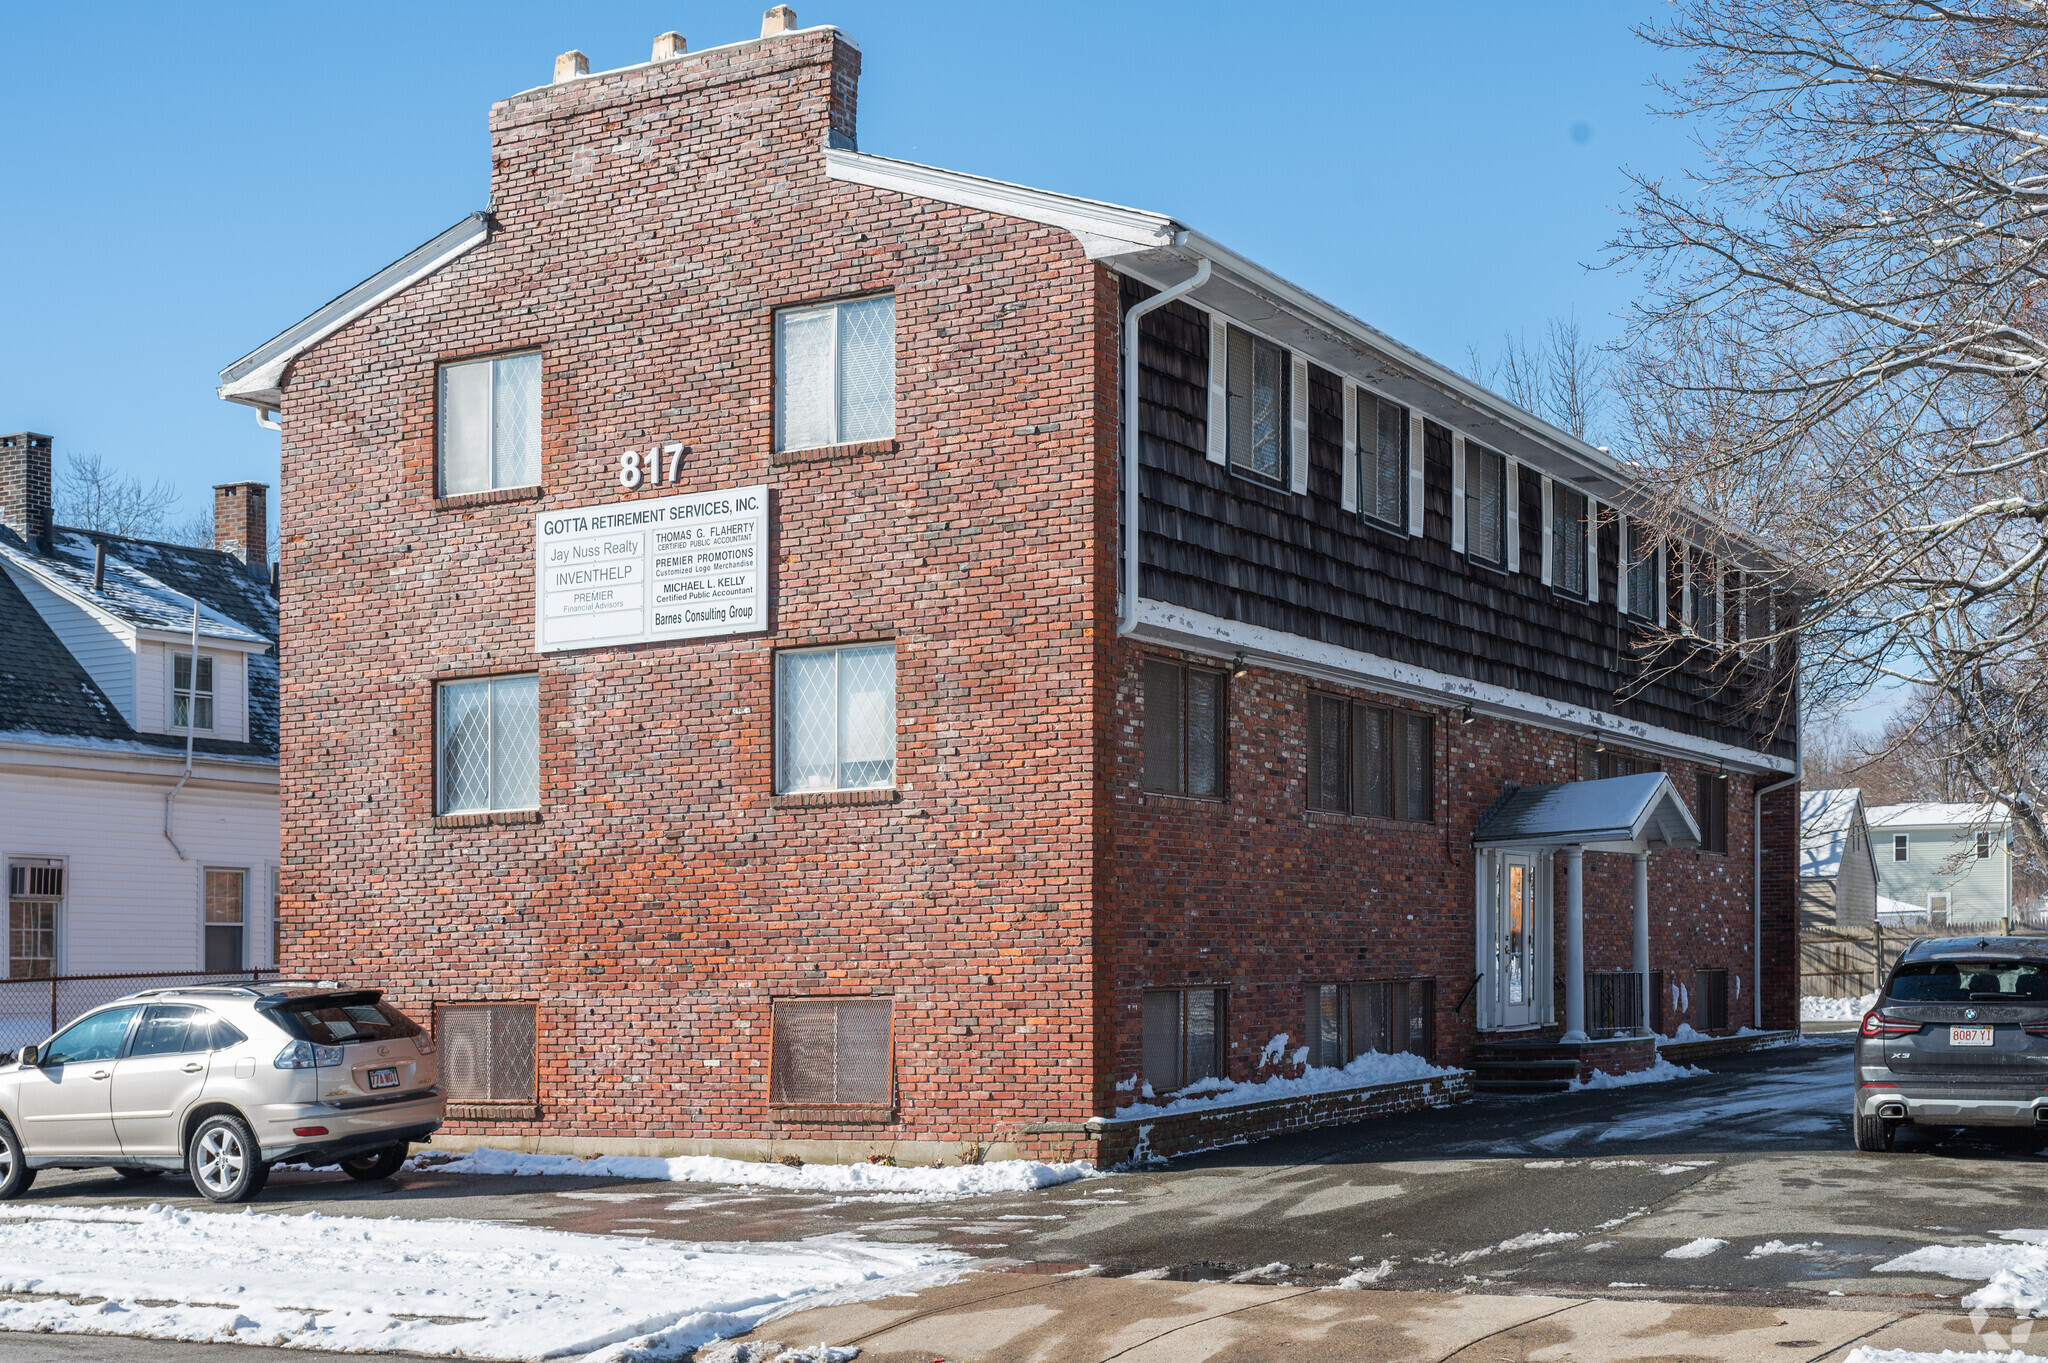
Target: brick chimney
[
  {"x": 25, "y": 487},
  {"x": 241, "y": 524}
]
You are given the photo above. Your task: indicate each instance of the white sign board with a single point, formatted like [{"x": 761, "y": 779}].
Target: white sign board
[{"x": 660, "y": 568}]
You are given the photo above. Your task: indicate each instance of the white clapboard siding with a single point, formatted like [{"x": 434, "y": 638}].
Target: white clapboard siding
[
  {"x": 130, "y": 904},
  {"x": 1416, "y": 432},
  {"x": 1297, "y": 441},
  {"x": 1349, "y": 493},
  {"x": 1549, "y": 549},
  {"x": 104, "y": 648},
  {"x": 1219, "y": 391},
  {"x": 1457, "y": 493},
  {"x": 153, "y": 688},
  {"x": 231, "y": 697},
  {"x": 1511, "y": 512}
]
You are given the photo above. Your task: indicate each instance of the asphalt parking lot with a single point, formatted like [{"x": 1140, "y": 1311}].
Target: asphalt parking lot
[{"x": 1582, "y": 1193}]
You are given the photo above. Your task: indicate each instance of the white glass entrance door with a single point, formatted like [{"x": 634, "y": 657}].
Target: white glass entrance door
[{"x": 1519, "y": 944}]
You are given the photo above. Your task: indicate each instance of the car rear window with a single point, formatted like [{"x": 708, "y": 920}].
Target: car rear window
[
  {"x": 1970, "y": 981},
  {"x": 342, "y": 1022}
]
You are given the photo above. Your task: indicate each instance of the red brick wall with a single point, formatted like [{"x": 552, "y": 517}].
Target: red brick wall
[
  {"x": 1262, "y": 895},
  {"x": 646, "y": 224}
]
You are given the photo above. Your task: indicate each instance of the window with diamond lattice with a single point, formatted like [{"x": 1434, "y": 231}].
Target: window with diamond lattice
[
  {"x": 489, "y": 425},
  {"x": 35, "y": 896},
  {"x": 835, "y": 374},
  {"x": 833, "y": 1053},
  {"x": 191, "y": 705},
  {"x": 835, "y": 718},
  {"x": 487, "y": 1052},
  {"x": 489, "y": 744}
]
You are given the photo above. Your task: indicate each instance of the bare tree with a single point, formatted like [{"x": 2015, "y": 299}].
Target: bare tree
[
  {"x": 1561, "y": 378},
  {"x": 1841, "y": 346},
  {"x": 93, "y": 496}
]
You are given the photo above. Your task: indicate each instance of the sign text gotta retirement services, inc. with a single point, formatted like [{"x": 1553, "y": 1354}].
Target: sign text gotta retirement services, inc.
[{"x": 664, "y": 568}]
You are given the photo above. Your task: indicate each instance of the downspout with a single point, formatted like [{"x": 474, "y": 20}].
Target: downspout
[
  {"x": 191, "y": 723},
  {"x": 1127, "y": 616},
  {"x": 1756, "y": 848}
]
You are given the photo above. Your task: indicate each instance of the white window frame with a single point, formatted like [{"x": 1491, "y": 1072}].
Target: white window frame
[
  {"x": 60, "y": 918},
  {"x": 211, "y": 660},
  {"x": 780, "y": 384},
  {"x": 896, "y": 716},
  {"x": 1983, "y": 846},
  {"x": 1293, "y": 476},
  {"x": 441, "y": 773},
  {"x": 443, "y": 413},
  {"x": 1902, "y": 844},
  {"x": 1947, "y": 907},
  {"x": 247, "y": 873}
]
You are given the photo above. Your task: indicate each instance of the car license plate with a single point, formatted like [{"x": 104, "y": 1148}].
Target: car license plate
[
  {"x": 1969, "y": 1036},
  {"x": 387, "y": 1078}
]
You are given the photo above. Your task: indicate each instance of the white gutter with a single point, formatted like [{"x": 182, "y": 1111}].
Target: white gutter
[
  {"x": 1756, "y": 848},
  {"x": 191, "y": 723},
  {"x": 1127, "y": 606}
]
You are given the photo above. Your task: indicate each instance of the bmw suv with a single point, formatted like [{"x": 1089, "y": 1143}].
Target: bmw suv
[
  {"x": 222, "y": 1081},
  {"x": 1959, "y": 1037}
]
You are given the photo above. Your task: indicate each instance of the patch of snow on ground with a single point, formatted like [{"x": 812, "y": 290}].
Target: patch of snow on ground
[
  {"x": 2015, "y": 1276},
  {"x": 898, "y": 1183},
  {"x": 1864, "y": 1354},
  {"x": 1696, "y": 1249},
  {"x": 1371, "y": 1068},
  {"x": 1354, "y": 1281},
  {"x": 442, "y": 1287},
  {"x": 1770, "y": 1247},
  {"x": 1814, "y": 1008},
  {"x": 1663, "y": 1072}
]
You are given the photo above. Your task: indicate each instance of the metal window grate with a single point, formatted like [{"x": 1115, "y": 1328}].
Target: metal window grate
[
  {"x": 833, "y": 1053},
  {"x": 1614, "y": 1002},
  {"x": 487, "y": 1052}
]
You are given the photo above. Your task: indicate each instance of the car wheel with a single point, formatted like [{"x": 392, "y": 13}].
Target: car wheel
[
  {"x": 224, "y": 1161},
  {"x": 15, "y": 1175},
  {"x": 138, "y": 1175},
  {"x": 377, "y": 1164},
  {"x": 1874, "y": 1133}
]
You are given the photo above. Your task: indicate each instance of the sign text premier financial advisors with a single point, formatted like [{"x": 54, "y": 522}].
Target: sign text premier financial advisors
[{"x": 663, "y": 568}]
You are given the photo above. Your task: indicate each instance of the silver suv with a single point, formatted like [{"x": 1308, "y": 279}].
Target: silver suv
[
  {"x": 1959, "y": 1037},
  {"x": 222, "y": 1081}
]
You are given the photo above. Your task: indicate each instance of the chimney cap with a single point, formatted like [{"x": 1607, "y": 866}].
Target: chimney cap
[
  {"x": 570, "y": 65},
  {"x": 668, "y": 45},
  {"x": 780, "y": 19}
]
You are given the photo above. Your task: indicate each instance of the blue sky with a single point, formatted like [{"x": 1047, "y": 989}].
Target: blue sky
[{"x": 181, "y": 189}]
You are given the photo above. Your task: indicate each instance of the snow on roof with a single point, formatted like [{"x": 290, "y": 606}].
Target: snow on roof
[
  {"x": 1936, "y": 814},
  {"x": 1644, "y": 809},
  {"x": 1824, "y": 820},
  {"x": 138, "y": 597}
]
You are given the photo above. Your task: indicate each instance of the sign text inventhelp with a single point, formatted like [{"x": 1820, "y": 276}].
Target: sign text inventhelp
[{"x": 665, "y": 568}]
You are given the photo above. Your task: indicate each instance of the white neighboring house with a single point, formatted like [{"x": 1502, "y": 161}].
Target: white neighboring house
[
  {"x": 1949, "y": 862},
  {"x": 105, "y": 871}
]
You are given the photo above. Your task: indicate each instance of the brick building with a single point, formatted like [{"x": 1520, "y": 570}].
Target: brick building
[{"x": 708, "y": 691}]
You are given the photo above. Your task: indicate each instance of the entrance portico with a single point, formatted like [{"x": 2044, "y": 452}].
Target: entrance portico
[{"x": 1516, "y": 845}]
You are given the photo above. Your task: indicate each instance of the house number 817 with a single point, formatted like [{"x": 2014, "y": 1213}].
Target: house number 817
[{"x": 632, "y": 473}]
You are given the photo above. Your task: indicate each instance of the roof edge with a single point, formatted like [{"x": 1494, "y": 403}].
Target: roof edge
[{"x": 254, "y": 379}]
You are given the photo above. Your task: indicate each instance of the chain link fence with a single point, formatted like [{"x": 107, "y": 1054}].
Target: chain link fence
[{"x": 32, "y": 1010}]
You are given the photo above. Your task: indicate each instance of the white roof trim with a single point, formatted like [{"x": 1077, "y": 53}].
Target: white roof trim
[
  {"x": 255, "y": 378},
  {"x": 1179, "y": 627},
  {"x": 1104, "y": 230}
]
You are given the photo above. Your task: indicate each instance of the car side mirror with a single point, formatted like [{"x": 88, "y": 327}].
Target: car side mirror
[{"x": 29, "y": 1055}]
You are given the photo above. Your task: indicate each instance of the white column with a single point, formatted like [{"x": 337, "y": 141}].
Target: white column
[
  {"x": 1574, "y": 943},
  {"x": 1641, "y": 960},
  {"x": 1482, "y": 939}
]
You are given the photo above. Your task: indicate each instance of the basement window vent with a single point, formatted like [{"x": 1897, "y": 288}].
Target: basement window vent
[
  {"x": 833, "y": 1053},
  {"x": 487, "y": 1052}
]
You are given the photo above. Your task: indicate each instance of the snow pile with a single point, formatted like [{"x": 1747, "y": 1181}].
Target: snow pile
[
  {"x": 1660, "y": 1073},
  {"x": 900, "y": 1184},
  {"x": 1814, "y": 1008},
  {"x": 1864, "y": 1354},
  {"x": 1360, "y": 1278},
  {"x": 1696, "y": 1249},
  {"x": 450, "y": 1288},
  {"x": 2015, "y": 1276},
  {"x": 1369, "y": 1069}
]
